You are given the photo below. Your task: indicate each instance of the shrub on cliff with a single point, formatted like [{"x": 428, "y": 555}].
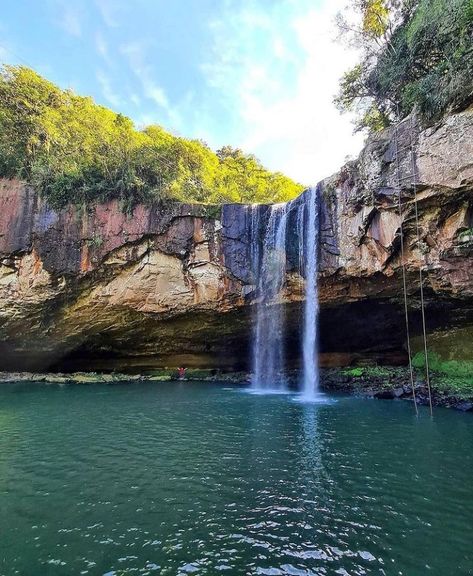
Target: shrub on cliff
[
  {"x": 73, "y": 150},
  {"x": 415, "y": 54}
]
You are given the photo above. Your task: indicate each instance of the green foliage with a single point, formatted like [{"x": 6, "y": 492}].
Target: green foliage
[
  {"x": 466, "y": 235},
  {"x": 387, "y": 372},
  {"x": 417, "y": 54},
  {"x": 213, "y": 211},
  {"x": 448, "y": 367},
  {"x": 375, "y": 18},
  {"x": 452, "y": 377},
  {"x": 353, "y": 372},
  {"x": 458, "y": 386},
  {"x": 448, "y": 377},
  {"x": 96, "y": 241},
  {"x": 73, "y": 150}
]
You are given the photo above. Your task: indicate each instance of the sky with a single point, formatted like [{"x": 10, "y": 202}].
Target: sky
[{"x": 255, "y": 74}]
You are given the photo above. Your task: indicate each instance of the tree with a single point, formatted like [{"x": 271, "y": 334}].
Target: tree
[
  {"x": 415, "y": 54},
  {"x": 73, "y": 150}
]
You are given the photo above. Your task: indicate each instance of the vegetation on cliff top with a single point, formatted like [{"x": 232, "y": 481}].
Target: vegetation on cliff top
[
  {"x": 416, "y": 54},
  {"x": 73, "y": 150}
]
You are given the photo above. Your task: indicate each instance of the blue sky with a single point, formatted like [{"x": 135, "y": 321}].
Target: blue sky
[{"x": 257, "y": 74}]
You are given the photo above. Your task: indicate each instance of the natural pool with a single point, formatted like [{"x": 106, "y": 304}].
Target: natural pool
[{"x": 187, "y": 478}]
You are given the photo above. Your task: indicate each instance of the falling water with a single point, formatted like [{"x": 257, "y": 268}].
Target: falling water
[
  {"x": 268, "y": 230},
  {"x": 309, "y": 244},
  {"x": 269, "y": 270}
]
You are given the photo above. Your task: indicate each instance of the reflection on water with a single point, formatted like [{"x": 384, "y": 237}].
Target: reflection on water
[
  {"x": 268, "y": 391},
  {"x": 316, "y": 398},
  {"x": 197, "y": 479},
  {"x": 311, "y": 440}
]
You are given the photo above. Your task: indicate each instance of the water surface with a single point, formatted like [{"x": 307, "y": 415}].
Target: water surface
[{"x": 201, "y": 479}]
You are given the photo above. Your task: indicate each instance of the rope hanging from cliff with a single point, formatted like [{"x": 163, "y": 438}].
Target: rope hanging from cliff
[
  {"x": 403, "y": 266},
  {"x": 421, "y": 277},
  {"x": 413, "y": 177}
]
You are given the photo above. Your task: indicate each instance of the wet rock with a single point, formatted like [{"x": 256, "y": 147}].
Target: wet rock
[
  {"x": 385, "y": 394},
  {"x": 464, "y": 406}
]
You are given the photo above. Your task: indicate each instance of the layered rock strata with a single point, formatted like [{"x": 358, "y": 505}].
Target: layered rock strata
[{"x": 172, "y": 284}]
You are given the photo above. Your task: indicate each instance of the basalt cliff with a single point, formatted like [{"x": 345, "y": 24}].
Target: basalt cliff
[{"x": 170, "y": 284}]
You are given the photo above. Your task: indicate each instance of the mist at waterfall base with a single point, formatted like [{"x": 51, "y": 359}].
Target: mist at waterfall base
[{"x": 268, "y": 232}]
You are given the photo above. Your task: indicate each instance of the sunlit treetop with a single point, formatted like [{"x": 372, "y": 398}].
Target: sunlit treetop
[
  {"x": 73, "y": 150},
  {"x": 415, "y": 54}
]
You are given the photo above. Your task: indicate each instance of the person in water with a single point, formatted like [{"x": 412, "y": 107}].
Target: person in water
[{"x": 181, "y": 372}]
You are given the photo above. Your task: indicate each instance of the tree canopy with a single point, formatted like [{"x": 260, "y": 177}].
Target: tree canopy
[
  {"x": 415, "y": 54},
  {"x": 73, "y": 150}
]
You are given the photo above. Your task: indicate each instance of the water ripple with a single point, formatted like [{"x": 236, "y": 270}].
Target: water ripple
[{"x": 197, "y": 479}]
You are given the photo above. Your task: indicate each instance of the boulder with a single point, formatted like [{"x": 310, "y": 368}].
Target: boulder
[{"x": 464, "y": 406}]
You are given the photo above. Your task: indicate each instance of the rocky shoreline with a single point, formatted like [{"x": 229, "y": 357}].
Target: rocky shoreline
[
  {"x": 116, "y": 377},
  {"x": 384, "y": 383},
  {"x": 393, "y": 383}
]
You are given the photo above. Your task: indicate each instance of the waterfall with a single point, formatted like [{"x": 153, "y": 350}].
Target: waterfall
[
  {"x": 269, "y": 272},
  {"x": 309, "y": 222},
  {"x": 268, "y": 227}
]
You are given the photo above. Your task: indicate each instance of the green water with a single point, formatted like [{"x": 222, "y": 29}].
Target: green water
[{"x": 201, "y": 479}]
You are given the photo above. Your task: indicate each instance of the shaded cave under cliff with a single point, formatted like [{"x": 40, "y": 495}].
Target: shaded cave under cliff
[{"x": 356, "y": 333}]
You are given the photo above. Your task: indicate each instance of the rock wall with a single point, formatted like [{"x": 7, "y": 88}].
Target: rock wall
[
  {"x": 97, "y": 277},
  {"x": 171, "y": 283}
]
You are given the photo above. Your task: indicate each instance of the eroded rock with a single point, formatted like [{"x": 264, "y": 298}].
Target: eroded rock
[{"x": 172, "y": 278}]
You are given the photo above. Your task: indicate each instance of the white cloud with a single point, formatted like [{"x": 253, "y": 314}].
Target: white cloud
[
  {"x": 6, "y": 50},
  {"x": 109, "y": 10},
  {"x": 101, "y": 46},
  {"x": 137, "y": 56},
  {"x": 154, "y": 92},
  {"x": 69, "y": 18},
  {"x": 135, "y": 99},
  {"x": 136, "y": 53},
  {"x": 279, "y": 72},
  {"x": 107, "y": 91},
  {"x": 144, "y": 120}
]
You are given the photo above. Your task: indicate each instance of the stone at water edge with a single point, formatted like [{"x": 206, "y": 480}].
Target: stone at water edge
[{"x": 464, "y": 406}]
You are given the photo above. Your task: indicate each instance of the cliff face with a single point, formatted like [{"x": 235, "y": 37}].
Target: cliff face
[
  {"x": 98, "y": 278},
  {"x": 172, "y": 284},
  {"x": 364, "y": 230},
  {"x": 365, "y": 210}
]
